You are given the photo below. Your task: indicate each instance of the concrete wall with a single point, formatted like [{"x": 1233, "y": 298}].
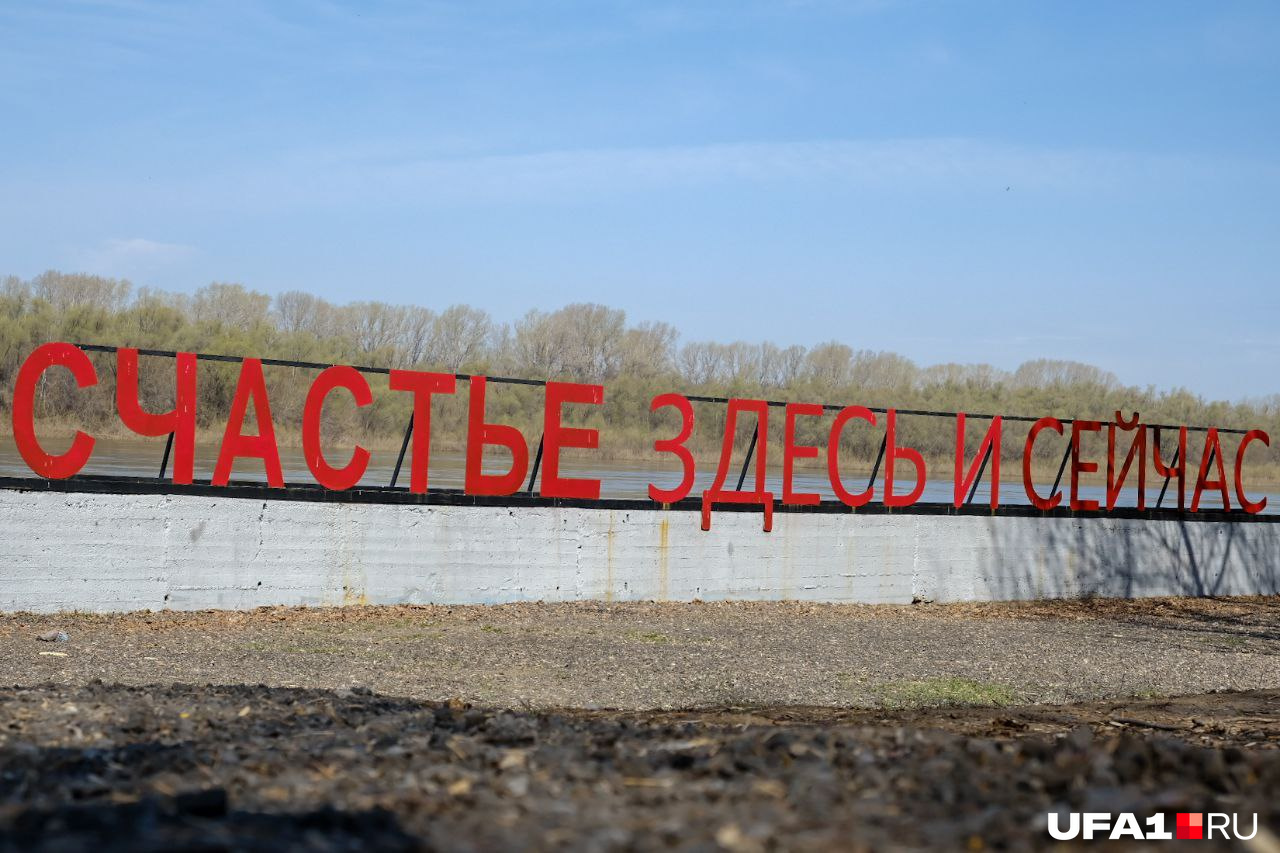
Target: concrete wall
[{"x": 114, "y": 552}]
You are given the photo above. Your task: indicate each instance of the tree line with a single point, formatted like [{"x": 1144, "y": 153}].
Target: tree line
[{"x": 580, "y": 342}]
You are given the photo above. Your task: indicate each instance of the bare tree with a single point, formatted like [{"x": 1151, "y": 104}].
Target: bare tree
[
  {"x": 591, "y": 337},
  {"x": 830, "y": 364},
  {"x": 417, "y": 331},
  {"x": 460, "y": 337},
  {"x": 64, "y": 291},
  {"x": 790, "y": 364},
  {"x": 647, "y": 349},
  {"x": 536, "y": 345},
  {"x": 701, "y": 362},
  {"x": 296, "y": 311},
  {"x": 1044, "y": 372},
  {"x": 373, "y": 326},
  {"x": 882, "y": 370},
  {"x": 230, "y": 305}
]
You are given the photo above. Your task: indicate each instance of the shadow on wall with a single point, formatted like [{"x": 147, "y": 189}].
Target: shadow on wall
[{"x": 1129, "y": 558}]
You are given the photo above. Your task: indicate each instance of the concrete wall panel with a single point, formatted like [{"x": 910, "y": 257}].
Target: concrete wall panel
[{"x": 116, "y": 552}]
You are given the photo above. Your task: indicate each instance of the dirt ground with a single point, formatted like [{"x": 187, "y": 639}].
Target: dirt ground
[
  {"x": 642, "y": 656},
  {"x": 634, "y": 727}
]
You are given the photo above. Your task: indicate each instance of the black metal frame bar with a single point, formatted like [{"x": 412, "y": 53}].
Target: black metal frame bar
[
  {"x": 1057, "y": 481},
  {"x": 746, "y": 463},
  {"x": 313, "y": 493},
  {"x": 875, "y": 469},
  {"x": 694, "y": 398},
  {"x": 404, "y": 446},
  {"x": 982, "y": 469},
  {"x": 1173, "y": 464},
  {"x": 537, "y": 463}
]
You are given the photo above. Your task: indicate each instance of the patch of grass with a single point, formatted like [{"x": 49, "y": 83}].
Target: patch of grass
[
  {"x": 847, "y": 681},
  {"x": 1228, "y": 641},
  {"x": 654, "y": 637},
  {"x": 942, "y": 693},
  {"x": 490, "y": 629},
  {"x": 408, "y": 622},
  {"x": 435, "y": 634},
  {"x": 292, "y": 648}
]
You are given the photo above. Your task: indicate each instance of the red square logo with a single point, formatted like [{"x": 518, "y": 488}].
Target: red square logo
[{"x": 1190, "y": 825}]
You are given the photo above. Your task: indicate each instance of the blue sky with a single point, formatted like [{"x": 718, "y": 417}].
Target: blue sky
[{"x": 975, "y": 182}]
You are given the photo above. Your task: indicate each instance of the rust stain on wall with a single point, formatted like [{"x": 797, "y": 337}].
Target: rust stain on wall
[
  {"x": 664, "y": 558},
  {"x": 608, "y": 560}
]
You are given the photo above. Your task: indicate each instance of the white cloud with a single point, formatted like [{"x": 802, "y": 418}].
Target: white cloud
[
  {"x": 906, "y": 165},
  {"x": 132, "y": 257},
  {"x": 394, "y": 173}
]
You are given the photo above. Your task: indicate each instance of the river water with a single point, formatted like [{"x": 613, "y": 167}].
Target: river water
[{"x": 141, "y": 458}]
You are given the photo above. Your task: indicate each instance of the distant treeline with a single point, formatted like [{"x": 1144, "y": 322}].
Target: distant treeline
[{"x": 583, "y": 342}]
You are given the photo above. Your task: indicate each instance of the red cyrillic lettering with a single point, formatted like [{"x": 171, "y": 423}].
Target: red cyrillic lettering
[
  {"x": 792, "y": 451},
  {"x": 1212, "y": 455},
  {"x": 555, "y": 436},
  {"x": 1078, "y": 467},
  {"x": 1027, "y": 483},
  {"x": 24, "y": 399},
  {"x": 422, "y": 385},
  {"x": 833, "y": 455},
  {"x": 338, "y": 376},
  {"x": 1137, "y": 452},
  {"x": 1246, "y": 504},
  {"x": 717, "y": 492},
  {"x": 675, "y": 446},
  {"x": 991, "y": 443},
  {"x": 480, "y": 434},
  {"x": 180, "y": 422},
  {"x": 893, "y": 453},
  {"x": 250, "y": 386},
  {"x": 1166, "y": 471}
]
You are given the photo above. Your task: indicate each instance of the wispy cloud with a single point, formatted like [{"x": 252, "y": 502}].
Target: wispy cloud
[
  {"x": 388, "y": 175},
  {"x": 132, "y": 257},
  {"x": 906, "y": 166}
]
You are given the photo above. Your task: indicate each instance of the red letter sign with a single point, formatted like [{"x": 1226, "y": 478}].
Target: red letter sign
[
  {"x": 180, "y": 422},
  {"x": 990, "y": 444},
  {"x": 422, "y": 385},
  {"x": 24, "y": 398},
  {"x": 479, "y": 434},
  {"x": 1137, "y": 452},
  {"x": 235, "y": 443},
  {"x": 1179, "y": 456},
  {"x": 893, "y": 453},
  {"x": 675, "y": 446},
  {"x": 791, "y": 452},
  {"x": 1246, "y": 504},
  {"x": 326, "y": 475},
  {"x": 1078, "y": 467},
  {"x": 758, "y": 495},
  {"x": 1212, "y": 455},
  {"x": 556, "y": 436},
  {"x": 846, "y": 414},
  {"x": 1027, "y": 483}
]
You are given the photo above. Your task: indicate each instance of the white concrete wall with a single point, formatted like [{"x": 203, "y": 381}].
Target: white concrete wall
[{"x": 103, "y": 552}]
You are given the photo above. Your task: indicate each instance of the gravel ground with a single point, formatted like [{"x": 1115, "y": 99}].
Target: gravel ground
[
  {"x": 639, "y": 656},
  {"x": 738, "y": 727}
]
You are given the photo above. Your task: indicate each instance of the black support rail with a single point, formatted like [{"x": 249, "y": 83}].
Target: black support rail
[{"x": 695, "y": 398}]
